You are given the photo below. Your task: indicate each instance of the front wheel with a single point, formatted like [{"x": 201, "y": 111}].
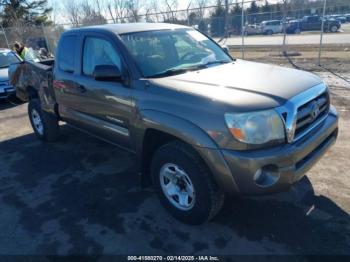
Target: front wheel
[
  {"x": 334, "y": 28},
  {"x": 184, "y": 184},
  {"x": 297, "y": 31},
  {"x": 45, "y": 125}
]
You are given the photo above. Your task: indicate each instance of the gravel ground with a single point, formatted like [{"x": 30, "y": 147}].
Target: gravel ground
[{"x": 82, "y": 196}]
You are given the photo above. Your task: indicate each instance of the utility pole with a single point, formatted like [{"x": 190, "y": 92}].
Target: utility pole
[
  {"x": 242, "y": 29},
  {"x": 188, "y": 13},
  {"x": 322, "y": 29},
  {"x": 46, "y": 39},
  {"x": 3, "y": 31},
  {"x": 284, "y": 21},
  {"x": 226, "y": 18}
]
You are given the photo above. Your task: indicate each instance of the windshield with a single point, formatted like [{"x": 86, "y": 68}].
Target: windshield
[
  {"x": 8, "y": 58},
  {"x": 160, "y": 53}
]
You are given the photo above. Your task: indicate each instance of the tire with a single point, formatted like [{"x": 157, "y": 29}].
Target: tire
[
  {"x": 297, "y": 31},
  {"x": 269, "y": 32},
  {"x": 45, "y": 125},
  {"x": 334, "y": 28},
  {"x": 207, "y": 198}
]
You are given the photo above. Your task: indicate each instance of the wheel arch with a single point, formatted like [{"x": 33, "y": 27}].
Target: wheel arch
[
  {"x": 31, "y": 92},
  {"x": 161, "y": 128}
]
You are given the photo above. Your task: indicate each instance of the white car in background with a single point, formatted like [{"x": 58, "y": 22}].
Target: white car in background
[
  {"x": 271, "y": 27},
  {"x": 252, "y": 29}
]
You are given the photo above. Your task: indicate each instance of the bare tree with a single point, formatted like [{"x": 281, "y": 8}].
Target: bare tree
[
  {"x": 84, "y": 12},
  {"x": 91, "y": 15},
  {"x": 170, "y": 9},
  {"x": 200, "y": 8},
  {"x": 56, "y": 11},
  {"x": 154, "y": 8},
  {"x": 72, "y": 10},
  {"x": 133, "y": 8},
  {"x": 117, "y": 9}
]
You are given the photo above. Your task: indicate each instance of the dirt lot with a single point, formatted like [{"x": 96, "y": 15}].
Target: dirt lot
[
  {"x": 333, "y": 57},
  {"x": 81, "y": 196}
]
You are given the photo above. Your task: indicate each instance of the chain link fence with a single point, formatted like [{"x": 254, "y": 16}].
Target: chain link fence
[{"x": 280, "y": 33}]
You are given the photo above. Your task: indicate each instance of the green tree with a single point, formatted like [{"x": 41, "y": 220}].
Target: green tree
[
  {"x": 24, "y": 12},
  {"x": 253, "y": 11},
  {"x": 192, "y": 18},
  {"x": 266, "y": 7},
  {"x": 254, "y": 8},
  {"x": 236, "y": 18},
  {"x": 217, "y": 21}
]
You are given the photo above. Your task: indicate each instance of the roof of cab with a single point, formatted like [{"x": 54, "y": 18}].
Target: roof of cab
[{"x": 132, "y": 27}]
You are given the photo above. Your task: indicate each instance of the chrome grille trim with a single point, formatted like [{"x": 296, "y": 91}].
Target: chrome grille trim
[{"x": 289, "y": 111}]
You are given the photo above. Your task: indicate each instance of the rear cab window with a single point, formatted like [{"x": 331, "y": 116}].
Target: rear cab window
[{"x": 66, "y": 53}]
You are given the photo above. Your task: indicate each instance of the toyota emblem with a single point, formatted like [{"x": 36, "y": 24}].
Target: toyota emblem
[{"x": 315, "y": 110}]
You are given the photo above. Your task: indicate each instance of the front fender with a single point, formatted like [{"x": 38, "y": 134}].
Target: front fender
[
  {"x": 191, "y": 134},
  {"x": 178, "y": 127}
]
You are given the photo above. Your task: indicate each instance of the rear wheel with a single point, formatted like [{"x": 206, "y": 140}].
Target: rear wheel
[
  {"x": 184, "y": 184},
  {"x": 269, "y": 32},
  {"x": 45, "y": 125}
]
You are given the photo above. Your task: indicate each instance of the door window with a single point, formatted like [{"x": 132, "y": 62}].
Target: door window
[
  {"x": 98, "y": 51},
  {"x": 66, "y": 53}
]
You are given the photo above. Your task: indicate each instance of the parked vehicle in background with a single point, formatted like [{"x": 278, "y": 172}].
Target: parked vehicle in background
[
  {"x": 271, "y": 27},
  {"x": 347, "y": 18},
  {"x": 7, "y": 57},
  {"x": 231, "y": 31},
  {"x": 200, "y": 125},
  {"x": 293, "y": 27},
  {"x": 314, "y": 23},
  {"x": 253, "y": 29},
  {"x": 341, "y": 18}
]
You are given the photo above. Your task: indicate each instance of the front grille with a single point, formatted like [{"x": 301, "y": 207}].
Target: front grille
[{"x": 311, "y": 112}]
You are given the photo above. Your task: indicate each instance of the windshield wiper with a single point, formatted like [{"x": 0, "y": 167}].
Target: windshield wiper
[
  {"x": 174, "y": 71},
  {"x": 215, "y": 62}
]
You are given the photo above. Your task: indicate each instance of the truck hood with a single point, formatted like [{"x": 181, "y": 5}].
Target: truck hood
[
  {"x": 4, "y": 74},
  {"x": 243, "y": 84}
]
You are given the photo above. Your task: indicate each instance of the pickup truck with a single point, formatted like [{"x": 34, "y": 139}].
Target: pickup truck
[
  {"x": 201, "y": 124},
  {"x": 313, "y": 23}
]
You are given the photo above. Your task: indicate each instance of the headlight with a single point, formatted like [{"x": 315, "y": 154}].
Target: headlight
[{"x": 256, "y": 127}]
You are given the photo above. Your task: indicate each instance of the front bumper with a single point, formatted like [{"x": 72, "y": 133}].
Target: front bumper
[
  {"x": 236, "y": 171},
  {"x": 6, "y": 91}
]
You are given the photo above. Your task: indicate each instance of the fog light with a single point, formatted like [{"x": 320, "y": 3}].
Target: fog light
[{"x": 267, "y": 176}]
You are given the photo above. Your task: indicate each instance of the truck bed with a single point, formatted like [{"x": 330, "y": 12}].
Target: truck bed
[{"x": 28, "y": 76}]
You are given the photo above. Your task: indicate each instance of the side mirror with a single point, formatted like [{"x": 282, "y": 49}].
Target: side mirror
[
  {"x": 226, "y": 49},
  {"x": 107, "y": 73}
]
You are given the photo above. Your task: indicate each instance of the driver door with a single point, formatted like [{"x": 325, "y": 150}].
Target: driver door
[{"x": 105, "y": 106}]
